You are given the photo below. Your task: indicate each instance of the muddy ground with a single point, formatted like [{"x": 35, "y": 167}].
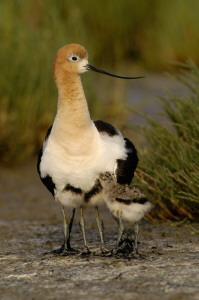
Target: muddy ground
[{"x": 31, "y": 224}]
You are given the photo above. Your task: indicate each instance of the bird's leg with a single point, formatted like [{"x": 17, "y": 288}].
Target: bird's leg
[
  {"x": 68, "y": 234},
  {"x": 136, "y": 231},
  {"x": 82, "y": 226},
  {"x": 101, "y": 231},
  {"x": 67, "y": 230},
  {"x": 66, "y": 248},
  {"x": 120, "y": 233},
  {"x": 121, "y": 230},
  {"x": 126, "y": 242}
]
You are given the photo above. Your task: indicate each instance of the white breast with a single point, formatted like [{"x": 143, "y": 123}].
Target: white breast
[{"x": 79, "y": 163}]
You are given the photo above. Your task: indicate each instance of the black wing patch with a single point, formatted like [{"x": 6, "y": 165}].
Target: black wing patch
[
  {"x": 106, "y": 128},
  {"x": 39, "y": 161},
  {"x": 94, "y": 191},
  {"x": 47, "y": 181},
  {"x": 48, "y": 132},
  {"x": 41, "y": 151},
  {"x": 142, "y": 200},
  {"x": 126, "y": 167},
  {"x": 72, "y": 189}
]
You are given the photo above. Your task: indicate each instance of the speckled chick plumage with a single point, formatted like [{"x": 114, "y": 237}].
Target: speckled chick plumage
[{"x": 124, "y": 201}]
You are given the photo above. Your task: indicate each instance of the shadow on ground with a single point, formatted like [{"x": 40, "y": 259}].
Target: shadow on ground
[{"x": 31, "y": 224}]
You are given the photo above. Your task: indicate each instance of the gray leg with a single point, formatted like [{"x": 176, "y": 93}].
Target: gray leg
[
  {"x": 117, "y": 220},
  {"x": 136, "y": 231},
  {"x": 68, "y": 229},
  {"x": 66, "y": 247},
  {"x": 101, "y": 230},
  {"x": 65, "y": 225},
  {"x": 82, "y": 226},
  {"x": 137, "y": 254},
  {"x": 120, "y": 233},
  {"x": 121, "y": 230}
]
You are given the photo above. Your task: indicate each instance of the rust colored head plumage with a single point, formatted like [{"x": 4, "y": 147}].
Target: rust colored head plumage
[
  {"x": 71, "y": 49},
  {"x": 71, "y": 58}
]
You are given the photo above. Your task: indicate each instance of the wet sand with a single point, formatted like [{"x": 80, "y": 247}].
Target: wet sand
[{"x": 31, "y": 224}]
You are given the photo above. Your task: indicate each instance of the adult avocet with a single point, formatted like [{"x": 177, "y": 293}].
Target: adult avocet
[{"x": 77, "y": 150}]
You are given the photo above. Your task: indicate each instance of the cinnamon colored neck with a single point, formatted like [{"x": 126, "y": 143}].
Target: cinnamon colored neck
[{"x": 72, "y": 110}]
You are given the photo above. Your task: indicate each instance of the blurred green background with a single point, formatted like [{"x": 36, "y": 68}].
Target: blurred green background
[
  {"x": 134, "y": 37},
  {"x": 143, "y": 34}
]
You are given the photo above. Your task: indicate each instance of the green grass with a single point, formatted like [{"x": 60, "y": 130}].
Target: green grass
[
  {"x": 149, "y": 33},
  {"x": 138, "y": 32},
  {"x": 169, "y": 164}
]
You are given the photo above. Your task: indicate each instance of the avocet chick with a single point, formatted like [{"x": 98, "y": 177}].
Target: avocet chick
[{"x": 126, "y": 204}]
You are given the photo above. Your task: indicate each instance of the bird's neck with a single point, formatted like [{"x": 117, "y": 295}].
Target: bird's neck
[{"x": 73, "y": 116}]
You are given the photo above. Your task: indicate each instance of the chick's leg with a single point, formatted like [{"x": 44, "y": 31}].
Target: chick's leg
[
  {"x": 136, "y": 231},
  {"x": 119, "y": 237}
]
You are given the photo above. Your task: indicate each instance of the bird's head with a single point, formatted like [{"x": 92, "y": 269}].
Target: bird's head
[{"x": 73, "y": 58}]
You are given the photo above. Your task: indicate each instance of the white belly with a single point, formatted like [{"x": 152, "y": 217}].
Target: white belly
[
  {"x": 81, "y": 169},
  {"x": 131, "y": 213},
  {"x": 74, "y": 201}
]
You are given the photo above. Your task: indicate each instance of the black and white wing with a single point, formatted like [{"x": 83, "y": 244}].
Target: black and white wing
[
  {"x": 47, "y": 180},
  {"x": 125, "y": 167}
]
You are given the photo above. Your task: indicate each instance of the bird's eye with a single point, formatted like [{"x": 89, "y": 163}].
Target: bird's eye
[{"x": 74, "y": 58}]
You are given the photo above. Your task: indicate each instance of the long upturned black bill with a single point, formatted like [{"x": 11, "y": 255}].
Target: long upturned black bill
[{"x": 91, "y": 68}]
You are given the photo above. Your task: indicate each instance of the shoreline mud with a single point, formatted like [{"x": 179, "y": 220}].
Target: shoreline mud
[{"x": 31, "y": 225}]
